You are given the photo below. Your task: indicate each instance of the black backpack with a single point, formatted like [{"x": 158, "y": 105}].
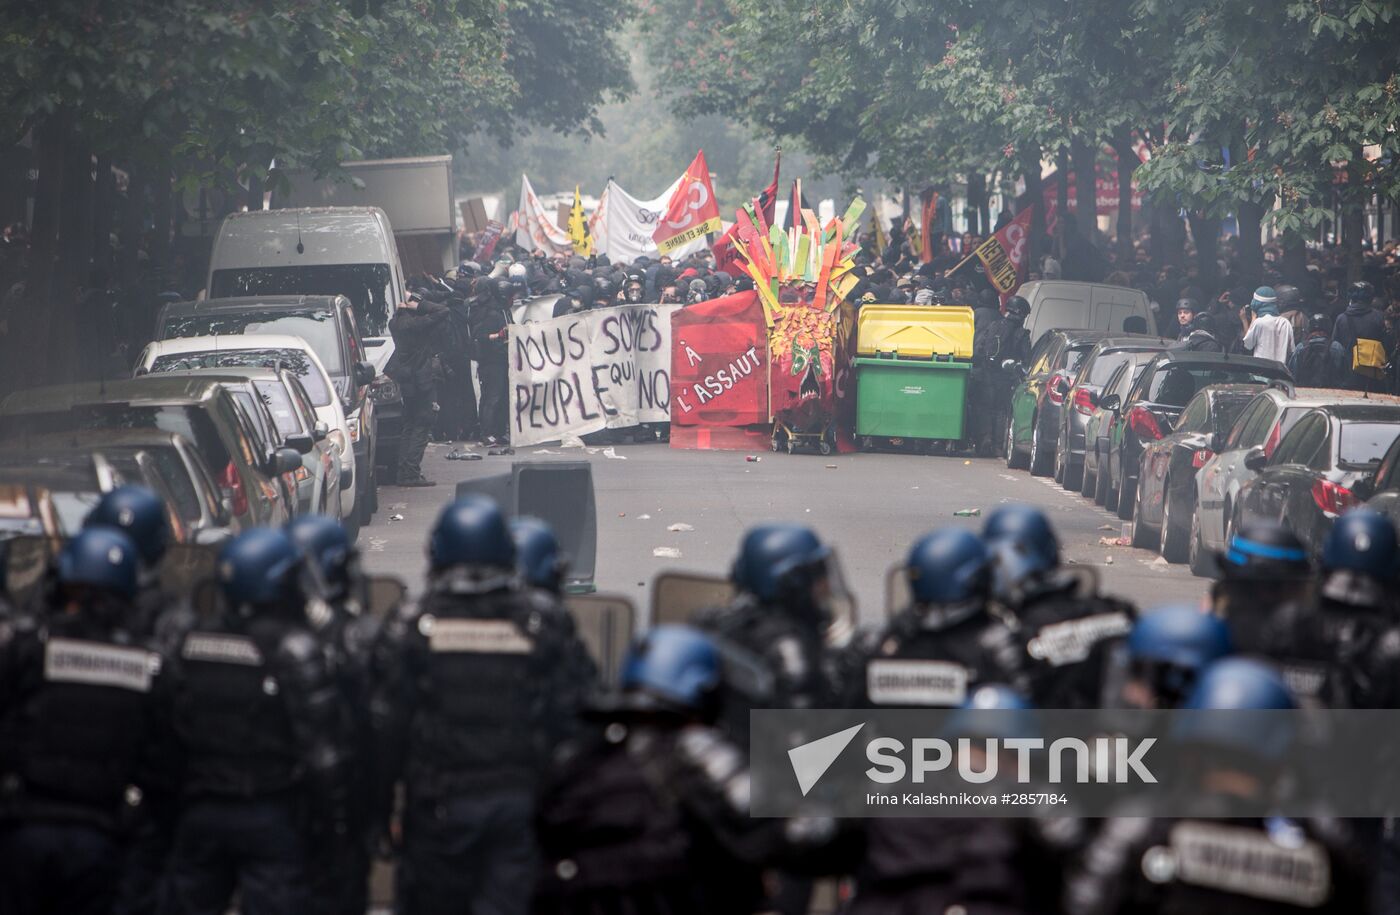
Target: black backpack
[{"x": 1312, "y": 370}]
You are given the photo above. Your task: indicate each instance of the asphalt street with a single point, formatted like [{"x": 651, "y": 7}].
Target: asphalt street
[{"x": 870, "y": 506}]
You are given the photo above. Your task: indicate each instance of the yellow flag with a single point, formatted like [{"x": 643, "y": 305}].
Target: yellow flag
[
  {"x": 878, "y": 228},
  {"x": 578, "y": 228}
]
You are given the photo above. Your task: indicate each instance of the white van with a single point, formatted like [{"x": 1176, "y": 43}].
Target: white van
[
  {"x": 1061, "y": 305},
  {"x": 347, "y": 251}
]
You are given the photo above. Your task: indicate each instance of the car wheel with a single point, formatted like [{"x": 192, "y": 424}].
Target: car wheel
[
  {"x": 1202, "y": 562},
  {"x": 1174, "y": 541},
  {"x": 1144, "y": 535},
  {"x": 1088, "y": 485},
  {"x": 1014, "y": 460},
  {"x": 1127, "y": 493},
  {"x": 1073, "y": 477},
  {"x": 1110, "y": 490},
  {"x": 1040, "y": 461},
  {"x": 1059, "y": 464}
]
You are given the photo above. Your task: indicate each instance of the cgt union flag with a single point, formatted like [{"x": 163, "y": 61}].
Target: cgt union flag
[
  {"x": 693, "y": 211},
  {"x": 1003, "y": 256}
]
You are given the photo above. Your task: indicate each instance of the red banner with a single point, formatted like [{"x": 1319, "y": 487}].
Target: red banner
[
  {"x": 727, "y": 257},
  {"x": 1003, "y": 256},
  {"x": 693, "y": 211},
  {"x": 719, "y": 363}
]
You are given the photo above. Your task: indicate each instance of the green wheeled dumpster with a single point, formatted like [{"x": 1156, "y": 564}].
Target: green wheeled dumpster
[{"x": 912, "y": 366}]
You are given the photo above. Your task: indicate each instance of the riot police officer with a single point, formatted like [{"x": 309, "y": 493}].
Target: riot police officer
[
  {"x": 540, "y": 561},
  {"x": 1226, "y": 864},
  {"x": 1061, "y": 620},
  {"x": 1342, "y": 648},
  {"x": 259, "y": 718},
  {"x": 487, "y": 678},
  {"x": 955, "y": 864},
  {"x": 1163, "y": 656},
  {"x": 79, "y": 703},
  {"x": 1003, "y": 341},
  {"x": 786, "y": 581},
  {"x": 648, "y": 810},
  {"x": 945, "y": 642},
  {"x": 1264, "y": 570},
  {"x": 339, "y": 864},
  {"x": 141, "y": 514}
]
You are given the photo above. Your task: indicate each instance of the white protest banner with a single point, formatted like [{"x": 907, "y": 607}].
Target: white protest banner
[
  {"x": 606, "y": 368},
  {"x": 622, "y": 226},
  {"x": 535, "y": 228}
]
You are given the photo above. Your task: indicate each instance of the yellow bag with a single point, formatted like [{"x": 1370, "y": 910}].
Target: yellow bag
[{"x": 1368, "y": 358}]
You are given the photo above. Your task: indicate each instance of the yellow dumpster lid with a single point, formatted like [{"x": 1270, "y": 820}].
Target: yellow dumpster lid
[{"x": 915, "y": 331}]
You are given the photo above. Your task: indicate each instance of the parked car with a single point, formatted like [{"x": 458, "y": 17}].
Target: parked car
[
  {"x": 329, "y": 324},
  {"x": 200, "y": 410},
  {"x": 388, "y": 406},
  {"x": 68, "y": 485},
  {"x": 165, "y": 462},
  {"x": 1037, "y": 400},
  {"x": 266, "y": 351},
  {"x": 1150, "y": 408},
  {"x": 1166, "y": 491},
  {"x": 1079, "y": 400},
  {"x": 1064, "y": 303},
  {"x": 1098, "y": 428},
  {"x": 1384, "y": 490},
  {"x": 1259, "y": 428},
  {"x": 1321, "y": 468}
]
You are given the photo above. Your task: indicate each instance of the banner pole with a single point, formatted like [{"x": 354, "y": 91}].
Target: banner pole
[{"x": 962, "y": 262}]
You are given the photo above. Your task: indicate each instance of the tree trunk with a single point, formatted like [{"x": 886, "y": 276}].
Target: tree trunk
[
  {"x": 977, "y": 203},
  {"x": 1250, "y": 214},
  {"x": 162, "y": 205},
  {"x": 1205, "y": 231},
  {"x": 14, "y": 179},
  {"x": 132, "y": 219},
  {"x": 1295, "y": 261},
  {"x": 1353, "y": 222},
  {"x": 105, "y": 202},
  {"x": 1061, "y": 200},
  {"x": 31, "y": 323},
  {"x": 1086, "y": 204},
  {"x": 1035, "y": 190},
  {"x": 1127, "y": 164}
]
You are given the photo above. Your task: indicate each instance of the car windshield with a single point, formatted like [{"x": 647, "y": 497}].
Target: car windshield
[
  {"x": 315, "y": 326},
  {"x": 1364, "y": 443},
  {"x": 1076, "y": 356},
  {"x": 73, "y": 507},
  {"x": 1176, "y": 384},
  {"x": 166, "y": 462},
  {"x": 279, "y": 404},
  {"x": 1103, "y": 367},
  {"x": 365, "y": 285},
  {"x": 190, "y": 421},
  {"x": 294, "y": 360}
]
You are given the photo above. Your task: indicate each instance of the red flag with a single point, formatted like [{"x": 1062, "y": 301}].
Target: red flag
[
  {"x": 693, "y": 211},
  {"x": 1003, "y": 256},
  {"x": 727, "y": 258}
]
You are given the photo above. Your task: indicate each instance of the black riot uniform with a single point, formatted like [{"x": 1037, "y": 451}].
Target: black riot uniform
[
  {"x": 339, "y": 864},
  {"x": 648, "y": 810},
  {"x": 258, "y": 717},
  {"x": 1064, "y": 626},
  {"x": 490, "y": 318},
  {"x": 485, "y": 679},
  {"x": 990, "y": 386},
  {"x": 80, "y": 703},
  {"x": 787, "y": 584}
]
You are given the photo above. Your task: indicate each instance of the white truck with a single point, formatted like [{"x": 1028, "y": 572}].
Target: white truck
[{"x": 416, "y": 195}]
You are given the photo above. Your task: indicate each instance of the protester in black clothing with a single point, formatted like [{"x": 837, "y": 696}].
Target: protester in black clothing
[
  {"x": 416, "y": 328},
  {"x": 490, "y": 319}
]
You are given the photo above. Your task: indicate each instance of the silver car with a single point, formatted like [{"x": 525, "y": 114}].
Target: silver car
[
  {"x": 318, "y": 479},
  {"x": 1080, "y": 398},
  {"x": 1258, "y": 428}
]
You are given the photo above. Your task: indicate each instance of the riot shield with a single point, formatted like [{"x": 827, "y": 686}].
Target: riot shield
[
  {"x": 677, "y": 596},
  {"x": 382, "y": 595},
  {"x": 605, "y": 623},
  {"x": 27, "y": 560}
]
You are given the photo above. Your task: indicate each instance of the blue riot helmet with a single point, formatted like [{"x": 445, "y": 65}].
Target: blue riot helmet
[
  {"x": 787, "y": 565},
  {"x": 99, "y": 559},
  {"x": 471, "y": 533},
  {"x": 1238, "y": 685},
  {"x": 140, "y": 513},
  {"x": 325, "y": 543},
  {"x": 1263, "y": 567},
  {"x": 672, "y": 668},
  {"x": 258, "y": 571},
  {"x": 1359, "y": 560},
  {"x": 540, "y": 561},
  {"x": 949, "y": 567},
  {"x": 1166, "y": 651},
  {"x": 993, "y": 710},
  {"x": 1029, "y": 530}
]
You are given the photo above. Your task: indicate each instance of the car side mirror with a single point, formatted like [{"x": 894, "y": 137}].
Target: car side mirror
[
  {"x": 300, "y": 442},
  {"x": 320, "y": 430},
  {"x": 364, "y": 373},
  {"x": 1061, "y": 386},
  {"x": 1217, "y": 442},
  {"x": 1111, "y": 403},
  {"x": 1256, "y": 460},
  {"x": 284, "y": 460}
]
